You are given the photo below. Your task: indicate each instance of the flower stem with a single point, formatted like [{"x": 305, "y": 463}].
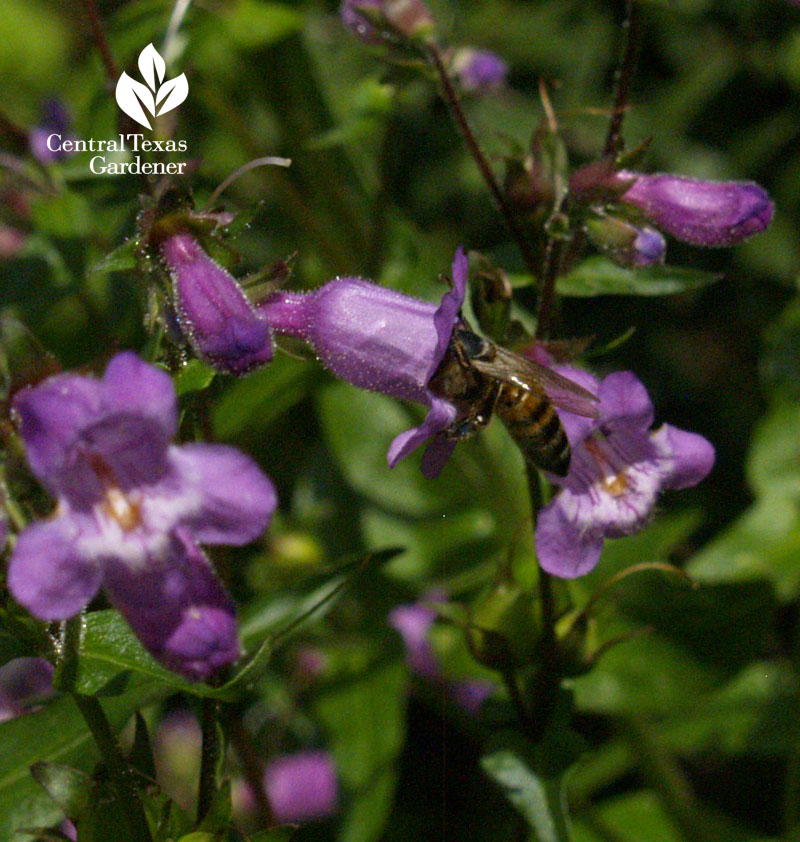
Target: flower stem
[
  {"x": 460, "y": 118},
  {"x": 209, "y": 758},
  {"x": 100, "y": 40},
  {"x": 622, "y": 78},
  {"x": 118, "y": 769},
  {"x": 550, "y": 272},
  {"x": 548, "y": 676},
  {"x": 252, "y": 764}
]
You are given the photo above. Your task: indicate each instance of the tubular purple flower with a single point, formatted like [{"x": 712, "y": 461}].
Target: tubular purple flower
[
  {"x": 213, "y": 310},
  {"x": 302, "y": 787},
  {"x": 414, "y": 622},
  {"x": 23, "y": 683},
  {"x": 619, "y": 466},
  {"x": 55, "y": 121},
  {"x": 383, "y": 341},
  {"x": 131, "y": 511},
  {"x": 704, "y": 213},
  {"x": 479, "y": 70}
]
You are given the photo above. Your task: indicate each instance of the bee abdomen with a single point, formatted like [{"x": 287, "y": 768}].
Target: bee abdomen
[{"x": 533, "y": 422}]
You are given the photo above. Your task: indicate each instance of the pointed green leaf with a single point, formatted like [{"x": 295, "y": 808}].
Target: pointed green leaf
[{"x": 601, "y": 276}]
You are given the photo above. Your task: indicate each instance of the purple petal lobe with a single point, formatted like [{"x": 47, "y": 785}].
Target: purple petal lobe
[
  {"x": 132, "y": 387},
  {"x": 236, "y": 499},
  {"x": 52, "y": 416},
  {"x": 623, "y": 397},
  {"x": 440, "y": 416},
  {"x": 705, "y": 213},
  {"x": 48, "y": 573},
  {"x": 447, "y": 312},
  {"x": 177, "y": 608},
  {"x": 562, "y": 549},
  {"x": 692, "y": 456},
  {"x": 214, "y": 312},
  {"x": 414, "y": 621},
  {"x": 436, "y": 455},
  {"x": 301, "y": 787}
]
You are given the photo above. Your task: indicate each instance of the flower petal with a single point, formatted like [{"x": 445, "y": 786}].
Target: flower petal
[
  {"x": 52, "y": 416},
  {"x": 440, "y": 416},
  {"x": 48, "y": 574},
  {"x": 562, "y": 549},
  {"x": 177, "y": 608},
  {"x": 23, "y": 682},
  {"x": 446, "y": 314},
  {"x": 691, "y": 454},
  {"x": 436, "y": 455},
  {"x": 623, "y": 397},
  {"x": 133, "y": 387},
  {"x": 236, "y": 498}
]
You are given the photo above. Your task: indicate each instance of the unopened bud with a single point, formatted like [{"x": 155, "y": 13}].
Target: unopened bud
[{"x": 626, "y": 243}]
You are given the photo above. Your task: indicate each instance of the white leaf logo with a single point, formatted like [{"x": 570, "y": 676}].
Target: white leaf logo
[{"x": 157, "y": 96}]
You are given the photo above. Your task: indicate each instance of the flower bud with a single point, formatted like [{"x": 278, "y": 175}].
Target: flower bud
[
  {"x": 213, "y": 310},
  {"x": 479, "y": 70},
  {"x": 374, "y": 21},
  {"x": 704, "y": 213},
  {"x": 504, "y": 627},
  {"x": 626, "y": 243}
]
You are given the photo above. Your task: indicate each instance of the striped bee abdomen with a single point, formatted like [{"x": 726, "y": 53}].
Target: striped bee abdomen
[{"x": 532, "y": 421}]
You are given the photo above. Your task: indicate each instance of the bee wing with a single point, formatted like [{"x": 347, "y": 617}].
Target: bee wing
[{"x": 563, "y": 392}]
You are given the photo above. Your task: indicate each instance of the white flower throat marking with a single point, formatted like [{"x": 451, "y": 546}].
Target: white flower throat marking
[{"x": 126, "y": 512}]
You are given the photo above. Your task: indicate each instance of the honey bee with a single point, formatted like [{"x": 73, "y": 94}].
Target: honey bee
[{"x": 482, "y": 379}]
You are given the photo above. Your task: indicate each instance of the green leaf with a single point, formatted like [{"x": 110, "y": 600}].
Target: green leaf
[
  {"x": 56, "y": 734},
  {"x": 366, "y": 722},
  {"x": 121, "y": 259},
  {"x": 274, "y": 834},
  {"x": 194, "y": 377},
  {"x": 64, "y": 215},
  {"x": 630, "y": 818},
  {"x": 254, "y": 24},
  {"x": 68, "y": 787},
  {"x": 255, "y": 402},
  {"x": 538, "y": 797},
  {"x": 762, "y": 543},
  {"x": 773, "y": 464},
  {"x": 601, "y": 276}
]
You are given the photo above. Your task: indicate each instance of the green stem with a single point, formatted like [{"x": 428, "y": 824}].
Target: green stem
[
  {"x": 209, "y": 758},
  {"x": 252, "y": 764},
  {"x": 118, "y": 769},
  {"x": 462, "y": 124},
  {"x": 544, "y": 688}
]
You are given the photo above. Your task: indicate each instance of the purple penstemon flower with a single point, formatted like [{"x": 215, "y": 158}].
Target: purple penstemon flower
[
  {"x": 302, "y": 787},
  {"x": 414, "y": 622},
  {"x": 479, "y": 70},
  {"x": 619, "y": 466},
  {"x": 213, "y": 310},
  {"x": 704, "y": 213},
  {"x": 132, "y": 509},
  {"x": 383, "y": 341}
]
